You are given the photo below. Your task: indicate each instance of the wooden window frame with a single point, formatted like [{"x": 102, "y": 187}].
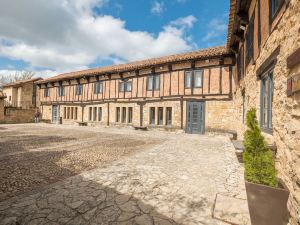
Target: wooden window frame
[
  {"x": 124, "y": 114},
  {"x": 241, "y": 63},
  {"x": 169, "y": 116},
  {"x": 98, "y": 87},
  {"x": 61, "y": 91},
  {"x": 118, "y": 114},
  {"x": 100, "y": 114},
  {"x": 95, "y": 113},
  {"x": 90, "y": 113},
  {"x": 266, "y": 126},
  {"x": 125, "y": 86},
  {"x": 79, "y": 89},
  {"x": 75, "y": 113},
  {"x": 130, "y": 114},
  {"x": 250, "y": 41},
  {"x": 154, "y": 79},
  {"x": 192, "y": 80},
  {"x": 160, "y": 117},
  {"x": 272, "y": 15},
  {"x": 46, "y": 92},
  {"x": 152, "y": 116}
]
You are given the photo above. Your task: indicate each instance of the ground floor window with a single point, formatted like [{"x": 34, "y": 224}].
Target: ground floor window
[
  {"x": 65, "y": 112},
  {"x": 169, "y": 116},
  {"x": 152, "y": 115},
  {"x": 99, "y": 113},
  {"x": 130, "y": 115},
  {"x": 95, "y": 114},
  {"x": 90, "y": 113},
  {"x": 75, "y": 113},
  {"x": 266, "y": 101},
  {"x": 160, "y": 116},
  {"x": 118, "y": 114},
  {"x": 70, "y": 113},
  {"x": 124, "y": 115}
]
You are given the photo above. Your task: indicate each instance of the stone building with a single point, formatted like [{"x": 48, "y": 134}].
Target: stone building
[
  {"x": 265, "y": 37},
  {"x": 190, "y": 91},
  {"x": 21, "y": 94}
]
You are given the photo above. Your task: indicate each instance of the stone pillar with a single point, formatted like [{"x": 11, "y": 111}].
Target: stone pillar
[{"x": 2, "y": 97}]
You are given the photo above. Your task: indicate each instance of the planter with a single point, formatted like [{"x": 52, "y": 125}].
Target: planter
[{"x": 267, "y": 205}]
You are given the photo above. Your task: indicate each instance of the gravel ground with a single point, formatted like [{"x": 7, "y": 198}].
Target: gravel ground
[{"x": 32, "y": 156}]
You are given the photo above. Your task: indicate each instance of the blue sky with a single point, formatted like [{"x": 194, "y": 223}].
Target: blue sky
[{"x": 72, "y": 35}]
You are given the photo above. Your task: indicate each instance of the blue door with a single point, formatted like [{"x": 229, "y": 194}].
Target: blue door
[{"x": 195, "y": 118}]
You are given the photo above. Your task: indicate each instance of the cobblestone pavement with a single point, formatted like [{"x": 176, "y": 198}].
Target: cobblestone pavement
[
  {"x": 176, "y": 181},
  {"x": 33, "y": 156}
]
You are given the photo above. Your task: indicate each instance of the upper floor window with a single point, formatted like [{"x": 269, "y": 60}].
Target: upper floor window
[
  {"x": 98, "y": 87},
  {"x": 46, "y": 92},
  {"x": 61, "y": 91},
  {"x": 79, "y": 89},
  {"x": 266, "y": 101},
  {"x": 249, "y": 41},
  {"x": 240, "y": 63},
  {"x": 193, "y": 79},
  {"x": 153, "y": 82},
  {"x": 125, "y": 86},
  {"x": 275, "y": 6}
]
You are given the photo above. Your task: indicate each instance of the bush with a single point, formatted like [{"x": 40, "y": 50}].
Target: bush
[{"x": 258, "y": 159}]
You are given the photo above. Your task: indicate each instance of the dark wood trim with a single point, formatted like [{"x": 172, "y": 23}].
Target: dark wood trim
[
  {"x": 170, "y": 90},
  {"x": 178, "y": 82},
  {"x": 269, "y": 62},
  {"x": 209, "y": 74},
  {"x": 108, "y": 114},
  {"x": 220, "y": 80},
  {"x": 293, "y": 59},
  {"x": 181, "y": 113},
  {"x": 230, "y": 80}
]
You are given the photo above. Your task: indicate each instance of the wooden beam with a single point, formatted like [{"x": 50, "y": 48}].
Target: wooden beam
[{"x": 243, "y": 16}]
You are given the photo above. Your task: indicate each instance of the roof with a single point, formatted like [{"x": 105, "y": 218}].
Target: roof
[
  {"x": 2, "y": 96},
  {"x": 231, "y": 20},
  {"x": 195, "y": 55},
  {"x": 20, "y": 82}
]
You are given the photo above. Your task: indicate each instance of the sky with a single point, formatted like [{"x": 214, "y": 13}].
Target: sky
[{"x": 58, "y": 36}]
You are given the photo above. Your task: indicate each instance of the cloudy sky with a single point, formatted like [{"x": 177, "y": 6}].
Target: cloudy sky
[{"x": 52, "y": 37}]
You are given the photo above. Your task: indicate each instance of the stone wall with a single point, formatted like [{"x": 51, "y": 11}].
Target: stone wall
[
  {"x": 286, "y": 110},
  {"x": 1, "y": 108},
  {"x": 17, "y": 115}
]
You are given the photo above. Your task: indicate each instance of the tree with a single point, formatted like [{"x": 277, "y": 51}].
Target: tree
[
  {"x": 258, "y": 158},
  {"x": 17, "y": 76}
]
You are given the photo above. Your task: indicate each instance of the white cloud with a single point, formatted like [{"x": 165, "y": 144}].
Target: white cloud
[
  {"x": 157, "y": 7},
  {"x": 65, "y": 35},
  {"x": 216, "y": 27}
]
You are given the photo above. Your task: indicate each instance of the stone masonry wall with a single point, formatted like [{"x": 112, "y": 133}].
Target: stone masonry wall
[
  {"x": 17, "y": 115},
  {"x": 286, "y": 110}
]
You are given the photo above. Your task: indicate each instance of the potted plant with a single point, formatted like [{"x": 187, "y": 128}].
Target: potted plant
[{"x": 267, "y": 195}]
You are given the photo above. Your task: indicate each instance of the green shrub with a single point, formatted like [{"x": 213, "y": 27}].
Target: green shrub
[{"x": 258, "y": 159}]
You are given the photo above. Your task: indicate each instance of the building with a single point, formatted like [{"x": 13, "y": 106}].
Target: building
[
  {"x": 265, "y": 37},
  {"x": 209, "y": 89},
  {"x": 21, "y": 94},
  {"x": 190, "y": 91}
]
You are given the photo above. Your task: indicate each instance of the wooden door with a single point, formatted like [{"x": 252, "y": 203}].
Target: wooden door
[{"x": 195, "y": 118}]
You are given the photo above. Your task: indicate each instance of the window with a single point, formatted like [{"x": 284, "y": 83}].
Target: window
[
  {"x": 130, "y": 115},
  {"x": 152, "y": 115},
  {"x": 61, "y": 91},
  {"x": 169, "y": 116},
  {"x": 275, "y": 5},
  {"x": 153, "y": 82},
  {"x": 9, "y": 98},
  {"x": 125, "y": 86},
  {"x": 249, "y": 40},
  {"x": 90, "y": 113},
  {"x": 118, "y": 114},
  {"x": 75, "y": 113},
  {"x": 198, "y": 78},
  {"x": 100, "y": 114},
  {"x": 123, "y": 115},
  {"x": 79, "y": 89},
  {"x": 65, "y": 112},
  {"x": 46, "y": 92},
  {"x": 160, "y": 116},
  {"x": 98, "y": 87},
  {"x": 193, "y": 78},
  {"x": 72, "y": 113},
  {"x": 240, "y": 63},
  {"x": 266, "y": 101},
  {"x": 68, "y": 113},
  {"x": 95, "y": 114}
]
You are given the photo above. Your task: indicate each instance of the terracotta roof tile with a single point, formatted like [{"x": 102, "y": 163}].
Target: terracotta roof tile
[
  {"x": 17, "y": 83},
  {"x": 232, "y": 13},
  {"x": 200, "y": 54}
]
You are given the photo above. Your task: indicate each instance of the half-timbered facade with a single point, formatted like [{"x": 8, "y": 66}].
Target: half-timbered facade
[{"x": 189, "y": 91}]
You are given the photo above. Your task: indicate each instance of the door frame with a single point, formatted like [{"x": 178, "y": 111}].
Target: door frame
[
  {"x": 57, "y": 114},
  {"x": 202, "y": 128}
]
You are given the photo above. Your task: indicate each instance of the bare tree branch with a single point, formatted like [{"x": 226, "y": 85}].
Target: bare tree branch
[{"x": 17, "y": 76}]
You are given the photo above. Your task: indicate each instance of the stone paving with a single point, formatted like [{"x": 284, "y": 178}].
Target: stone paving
[{"x": 184, "y": 179}]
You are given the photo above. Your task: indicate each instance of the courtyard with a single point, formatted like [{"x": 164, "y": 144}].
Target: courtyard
[{"x": 64, "y": 174}]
